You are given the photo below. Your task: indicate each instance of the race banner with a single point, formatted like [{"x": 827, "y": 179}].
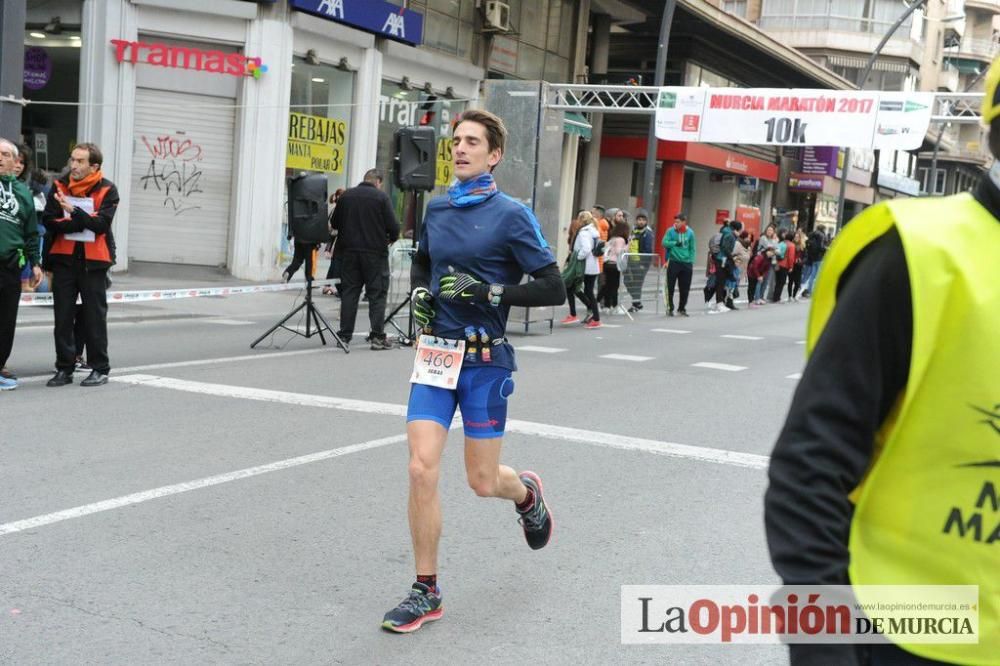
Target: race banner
[{"x": 794, "y": 117}]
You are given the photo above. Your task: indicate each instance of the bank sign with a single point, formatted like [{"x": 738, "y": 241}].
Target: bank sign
[{"x": 377, "y": 16}]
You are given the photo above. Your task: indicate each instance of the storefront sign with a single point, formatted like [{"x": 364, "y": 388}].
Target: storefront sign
[
  {"x": 37, "y": 68},
  {"x": 445, "y": 168},
  {"x": 775, "y": 116},
  {"x": 382, "y": 18},
  {"x": 316, "y": 143},
  {"x": 721, "y": 216},
  {"x": 188, "y": 57},
  {"x": 749, "y": 216},
  {"x": 503, "y": 54},
  {"x": 821, "y": 160},
  {"x": 804, "y": 182},
  {"x": 748, "y": 184}
]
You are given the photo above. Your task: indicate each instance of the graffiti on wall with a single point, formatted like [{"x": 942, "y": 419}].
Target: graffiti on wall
[{"x": 174, "y": 172}]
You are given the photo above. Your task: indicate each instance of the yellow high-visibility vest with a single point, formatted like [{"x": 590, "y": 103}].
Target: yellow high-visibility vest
[{"x": 928, "y": 509}]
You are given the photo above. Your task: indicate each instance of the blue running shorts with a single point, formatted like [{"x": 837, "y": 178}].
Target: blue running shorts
[{"x": 481, "y": 394}]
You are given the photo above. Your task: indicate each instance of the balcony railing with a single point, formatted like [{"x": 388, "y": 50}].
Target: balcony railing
[
  {"x": 983, "y": 48},
  {"x": 834, "y": 23}
]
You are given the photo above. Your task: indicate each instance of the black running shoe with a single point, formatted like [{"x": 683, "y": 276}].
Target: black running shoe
[
  {"x": 536, "y": 521},
  {"x": 421, "y": 605}
]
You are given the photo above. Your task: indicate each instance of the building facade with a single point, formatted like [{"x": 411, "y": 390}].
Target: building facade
[{"x": 204, "y": 108}]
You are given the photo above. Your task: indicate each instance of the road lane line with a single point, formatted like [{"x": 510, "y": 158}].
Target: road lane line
[
  {"x": 543, "y": 430},
  {"x": 797, "y": 375},
  {"x": 188, "y": 486},
  {"x": 540, "y": 350},
  {"x": 229, "y": 322},
  {"x": 670, "y": 330},
  {"x": 742, "y": 337},
  {"x": 627, "y": 357},
  {"x": 723, "y": 456},
  {"x": 720, "y": 366}
]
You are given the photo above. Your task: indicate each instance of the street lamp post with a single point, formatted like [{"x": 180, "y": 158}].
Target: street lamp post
[
  {"x": 661, "y": 71},
  {"x": 865, "y": 73}
]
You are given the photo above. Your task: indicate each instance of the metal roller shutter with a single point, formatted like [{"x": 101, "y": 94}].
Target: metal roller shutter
[{"x": 182, "y": 172}]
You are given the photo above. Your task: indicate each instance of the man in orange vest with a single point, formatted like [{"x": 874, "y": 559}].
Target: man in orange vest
[{"x": 78, "y": 216}]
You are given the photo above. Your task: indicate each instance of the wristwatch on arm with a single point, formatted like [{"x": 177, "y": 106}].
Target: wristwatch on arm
[{"x": 496, "y": 294}]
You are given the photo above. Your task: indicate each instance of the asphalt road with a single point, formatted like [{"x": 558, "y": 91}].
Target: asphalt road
[{"x": 131, "y": 531}]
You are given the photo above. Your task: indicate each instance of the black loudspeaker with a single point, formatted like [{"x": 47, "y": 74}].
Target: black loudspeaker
[
  {"x": 416, "y": 158},
  {"x": 307, "y": 218}
]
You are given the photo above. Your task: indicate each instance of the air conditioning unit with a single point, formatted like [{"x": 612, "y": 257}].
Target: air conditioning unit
[{"x": 497, "y": 16}]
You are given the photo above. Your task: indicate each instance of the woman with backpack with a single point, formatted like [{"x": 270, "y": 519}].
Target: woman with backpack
[{"x": 587, "y": 247}]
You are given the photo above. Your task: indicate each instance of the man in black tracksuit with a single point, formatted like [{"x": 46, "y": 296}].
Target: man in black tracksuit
[{"x": 366, "y": 225}]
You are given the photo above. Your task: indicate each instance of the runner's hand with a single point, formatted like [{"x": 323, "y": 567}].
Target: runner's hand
[
  {"x": 463, "y": 288},
  {"x": 421, "y": 302}
]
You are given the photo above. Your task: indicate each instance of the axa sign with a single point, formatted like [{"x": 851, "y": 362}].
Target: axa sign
[
  {"x": 377, "y": 16},
  {"x": 188, "y": 57}
]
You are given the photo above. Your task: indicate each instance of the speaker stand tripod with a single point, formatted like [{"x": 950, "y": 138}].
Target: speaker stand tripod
[{"x": 313, "y": 318}]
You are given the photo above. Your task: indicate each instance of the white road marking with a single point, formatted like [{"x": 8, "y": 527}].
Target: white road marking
[
  {"x": 797, "y": 375},
  {"x": 622, "y": 442},
  {"x": 540, "y": 350},
  {"x": 205, "y": 361},
  {"x": 719, "y": 366},
  {"x": 627, "y": 357},
  {"x": 742, "y": 337},
  {"x": 229, "y": 322},
  {"x": 187, "y": 486},
  {"x": 670, "y": 330},
  {"x": 603, "y": 325},
  {"x": 800, "y": 342}
]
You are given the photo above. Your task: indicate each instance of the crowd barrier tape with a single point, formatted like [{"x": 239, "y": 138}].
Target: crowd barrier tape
[{"x": 139, "y": 296}]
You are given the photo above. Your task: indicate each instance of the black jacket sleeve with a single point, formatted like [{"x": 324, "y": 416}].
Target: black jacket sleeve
[
  {"x": 546, "y": 288},
  {"x": 854, "y": 377},
  {"x": 420, "y": 271},
  {"x": 389, "y": 218}
]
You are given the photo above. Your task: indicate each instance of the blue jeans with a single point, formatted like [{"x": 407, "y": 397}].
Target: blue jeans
[{"x": 811, "y": 282}]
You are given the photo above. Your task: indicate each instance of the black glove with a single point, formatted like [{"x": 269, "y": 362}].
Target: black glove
[
  {"x": 421, "y": 302},
  {"x": 463, "y": 288}
]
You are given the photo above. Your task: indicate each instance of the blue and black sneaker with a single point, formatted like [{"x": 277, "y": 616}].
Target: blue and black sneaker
[
  {"x": 536, "y": 521},
  {"x": 421, "y": 605}
]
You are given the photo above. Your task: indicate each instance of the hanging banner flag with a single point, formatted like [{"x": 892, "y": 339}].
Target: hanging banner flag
[{"x": 802, "y": 117}]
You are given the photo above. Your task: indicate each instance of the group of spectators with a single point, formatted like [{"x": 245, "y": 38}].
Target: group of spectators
[
  {"x": 605, "y": 250},
  {"x": 779, "y": 266},
  {"x": 59, "y": 231}
]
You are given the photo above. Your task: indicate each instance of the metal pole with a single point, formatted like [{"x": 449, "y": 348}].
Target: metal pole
[
  {"x": 12, "y": 18},
  {"x": 649, "y": 173},
  {"x": 865, "y": 73}
]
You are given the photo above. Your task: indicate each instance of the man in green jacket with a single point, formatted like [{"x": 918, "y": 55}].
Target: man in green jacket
[
  {"x": 18, "y": 246},
  {"x": 679, "y": 242}
]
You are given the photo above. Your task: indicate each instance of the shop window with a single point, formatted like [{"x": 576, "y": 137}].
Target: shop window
[
  {"x": 52, "y": 81},
  {"x": 320, "y": 123}
]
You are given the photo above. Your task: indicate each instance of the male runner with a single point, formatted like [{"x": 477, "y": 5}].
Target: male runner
[{"x": 475, "y": 246}]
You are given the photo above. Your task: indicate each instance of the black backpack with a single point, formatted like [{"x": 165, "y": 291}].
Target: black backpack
[{"x": 598, "y": 250}]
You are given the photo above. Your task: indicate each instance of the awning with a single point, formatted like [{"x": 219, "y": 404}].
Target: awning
[
  {"x": 965, "y": 66},
  {"x": 576, "y": 123}
]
